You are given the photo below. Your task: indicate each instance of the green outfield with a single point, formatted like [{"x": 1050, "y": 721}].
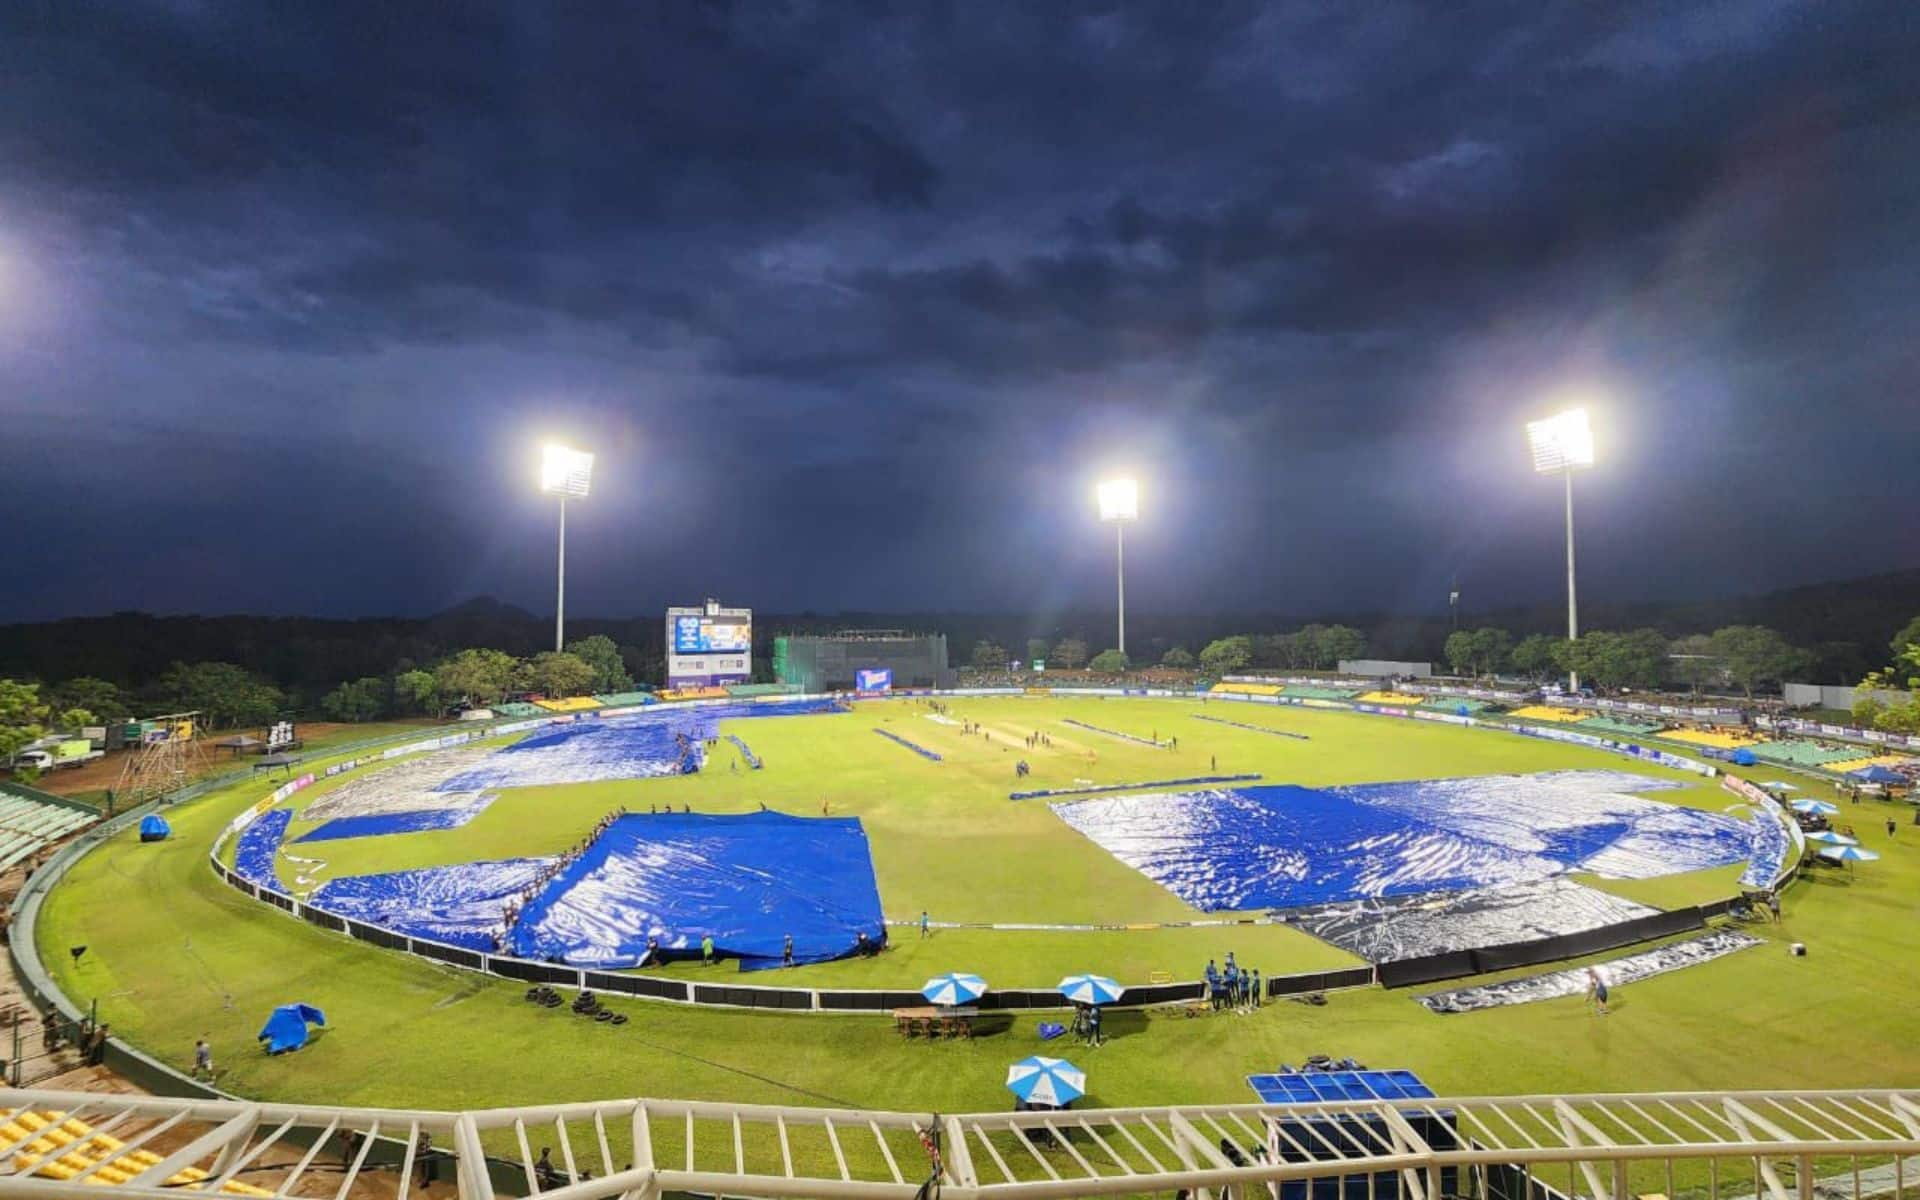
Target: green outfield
[{"x": 175, "y": 953}]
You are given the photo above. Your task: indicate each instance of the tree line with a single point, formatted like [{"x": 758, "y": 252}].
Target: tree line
[{"x": 229, "y": 696}]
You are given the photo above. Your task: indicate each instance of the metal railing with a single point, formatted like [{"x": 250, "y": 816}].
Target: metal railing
[{"x": 1777, "y": 1145}]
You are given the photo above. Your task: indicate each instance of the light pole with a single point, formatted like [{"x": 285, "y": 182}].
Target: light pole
[
  {"x": 1120, "y": 503},
  {"x": 1560, "y": 445},
  {"x": 566, "y": 473}
]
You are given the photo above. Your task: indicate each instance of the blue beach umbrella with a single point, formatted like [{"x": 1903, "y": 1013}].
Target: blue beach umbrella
[
  {"x": 1090, "y": 989},
  {"x": 1779, "y": 785},
  {"x": 1814, "y": 806},
  {"x": 1848, "y": 854},
  {"x": 1043, "y": 1080},
  {"x": 1828, "y": 837},
  {"x": 953, "y": 988}
]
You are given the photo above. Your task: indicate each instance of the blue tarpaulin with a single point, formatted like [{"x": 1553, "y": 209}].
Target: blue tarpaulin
[
  {"x": 452, "y": 816},
  {"x": 746, "y": 880},
  {"x": 461, "y": 905},
  {"x": 253, "y": 854},
  {"x": 639, "y": 746},
  {"x": 154, "y": 828},
  {"x": 1879, "y": 774},
  {"x": 286, "y": 1029},
  {"x": 1288, "y": 847}
]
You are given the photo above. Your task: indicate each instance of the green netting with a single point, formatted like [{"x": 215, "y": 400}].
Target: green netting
[
  {"x": 623, "y": 699},
  {"x": 1806, "y": 754},
  {"x": 761, "y": 689}
]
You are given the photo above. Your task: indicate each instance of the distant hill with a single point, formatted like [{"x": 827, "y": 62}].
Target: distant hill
[{"x": 1847, "y": 623}]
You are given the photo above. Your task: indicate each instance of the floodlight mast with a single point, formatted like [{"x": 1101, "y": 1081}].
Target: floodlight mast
[
  {"x": 1561, "y": 444},
  {"x": 1119, "y": 503},
  {"x": 564, "y": 472}
]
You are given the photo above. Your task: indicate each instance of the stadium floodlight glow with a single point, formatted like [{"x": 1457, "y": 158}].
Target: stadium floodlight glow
[
  {"x": 565, "y": 471},
  {"x": 568, "y": 474},
  {"x": 1560, "y": 444},
  {"x": 1119, "y": 503},
  {"x": 1119, "y": 500}
]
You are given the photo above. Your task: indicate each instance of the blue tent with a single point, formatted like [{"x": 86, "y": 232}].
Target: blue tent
[
  {"x": 1743, "y": 757},
  {"x": 154, "y": 828},
  {"x": 1879, "y": 774},
  {"x": 286, "y": 1029}
]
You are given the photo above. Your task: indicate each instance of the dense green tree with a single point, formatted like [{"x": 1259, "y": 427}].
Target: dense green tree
[
  {"x": 1178, "y": 657},
  {"x": 97, "y": 696},
  {"x": 1459, "y": 651},
  {"x": 1537, "y": 656},
  {"x": 1903, "y": 643},
  {"x": 555, "y": 673},
  {"x": 1755, "y": 655},
  {"x": 416, "y": 692},
  {"x": 22, "y": 717},
  {"x": 225, "y": 695},
  {"x": 1338, "y": 642},
  {"x": 1070, "y": 653},
  {"x": 1691, "y": 661},
  {"x": 603, "y": 659},
  {"x": 1226, "y": 655},
  {"x": 988, "y": 655},
  {"x": 1491, "y": 649},
  {"x": 1109, "y": 662},
  {"x": 1036, "y": 649},
  {"x": 364, "y": 699},
  {"x": 475, "y": 677}
]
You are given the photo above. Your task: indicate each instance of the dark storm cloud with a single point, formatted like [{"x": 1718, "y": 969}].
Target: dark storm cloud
[{"x": 854, "y": 299}]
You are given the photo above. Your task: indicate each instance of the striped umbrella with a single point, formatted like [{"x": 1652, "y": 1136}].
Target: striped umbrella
[
  {"x": 1814, "y": 806},
  {"x": 1828, "y": 837},
  {"x": 1090, "y": 989},
  {"x": 1848, "y": 853},
  {"x": 955, "y": 987},
  {"x": 1043, "y": 1080}
]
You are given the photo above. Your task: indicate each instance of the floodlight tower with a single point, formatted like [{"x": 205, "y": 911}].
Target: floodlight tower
[
  {"x": 1119, "y": 504},
  {"x": 1561, "y": 444},
  {"x": 566, "y": 473}
]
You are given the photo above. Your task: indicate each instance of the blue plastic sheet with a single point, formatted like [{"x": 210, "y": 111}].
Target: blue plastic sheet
[
  {"x": 922, "y": 751},
  {"x": 747, "y": 881},
  {"x": 452, "y": 816},
  {"x": 154, "y": 828},
  {"x": 639, "y": 746},
  {"x": 461, "y": 905},
  {"x": 1318, "y": 1087},
  {"x": 1767, "y": 851},
  {"x": 1288, "y": 847},
  {"x": 286, "y": 1027},
  {"x": 259, "y": 842}
]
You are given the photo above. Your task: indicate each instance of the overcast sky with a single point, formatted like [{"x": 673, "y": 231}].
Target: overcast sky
[{"x": 855, "y": 303}]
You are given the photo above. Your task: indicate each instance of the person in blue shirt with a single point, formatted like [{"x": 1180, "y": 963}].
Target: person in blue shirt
[
  {"x": 1213, "y": 984},
  {"x": 1232, "y": 990}
]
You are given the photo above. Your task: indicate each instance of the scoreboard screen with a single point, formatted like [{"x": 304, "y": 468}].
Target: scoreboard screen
[
  {"x": 709, "y": 645},
  {"x": 701, "y": 634}
]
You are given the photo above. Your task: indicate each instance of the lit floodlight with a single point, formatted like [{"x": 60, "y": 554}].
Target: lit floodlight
[
  {"x": 1562, "y": 442},
  {"x": 565, "y": 471},
  {"x": 1119, "y": 500}
]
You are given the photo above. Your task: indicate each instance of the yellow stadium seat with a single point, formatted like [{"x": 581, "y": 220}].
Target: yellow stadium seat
[
  {"x": 33, "y": 1120},
  {"x": 1542, "y": 712},
  {"x": 54, "y": 1170},
  {"x": 145, "y": 1158},
  {"x": 235, "y": 1188},
  {"x": 113, "y": 1172}
]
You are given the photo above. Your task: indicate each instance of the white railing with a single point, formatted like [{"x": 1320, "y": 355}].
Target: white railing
[{"x": 1777, "y": 1145}]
